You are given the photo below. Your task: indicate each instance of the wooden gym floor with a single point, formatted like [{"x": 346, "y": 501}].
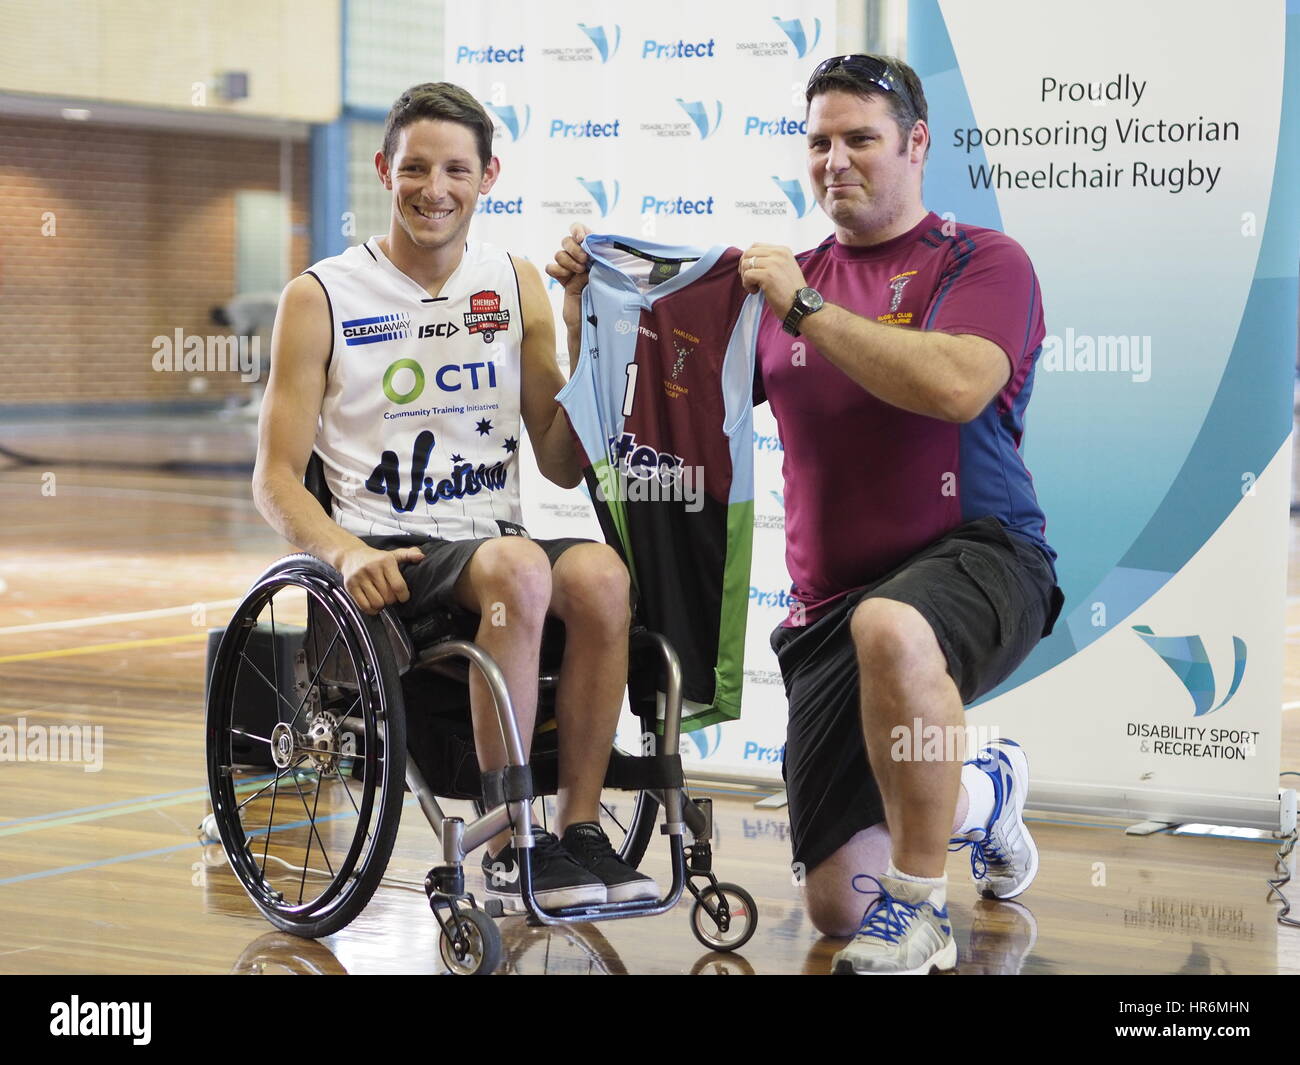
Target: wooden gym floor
[{"x": 109, "y": 579}]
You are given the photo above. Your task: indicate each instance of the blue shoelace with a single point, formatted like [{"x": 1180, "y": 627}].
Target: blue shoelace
[
  {"x": 984, "y": 852},
  {"x": 889, "y": 919}
]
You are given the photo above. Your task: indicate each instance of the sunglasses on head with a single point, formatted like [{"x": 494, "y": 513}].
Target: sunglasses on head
[{"x": 868, "y": 68}]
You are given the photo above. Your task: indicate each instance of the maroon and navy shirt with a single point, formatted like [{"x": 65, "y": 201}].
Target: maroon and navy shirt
[{"x": 868, "y": 484}]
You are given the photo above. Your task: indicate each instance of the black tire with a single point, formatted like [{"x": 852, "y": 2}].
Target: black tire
[
  {"x": 481, "y": 953},
  {"x": 742, "y": 917},
  {"x": 345, "y": 681}
]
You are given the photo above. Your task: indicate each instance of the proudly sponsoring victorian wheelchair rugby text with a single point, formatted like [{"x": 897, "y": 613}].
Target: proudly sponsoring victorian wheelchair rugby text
[
  {"x": 639, "y": 473},
  {"x": 466, "y": 479}
]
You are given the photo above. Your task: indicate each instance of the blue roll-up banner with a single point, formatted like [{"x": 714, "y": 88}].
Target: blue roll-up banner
[{"x": 1147, "y": 156}]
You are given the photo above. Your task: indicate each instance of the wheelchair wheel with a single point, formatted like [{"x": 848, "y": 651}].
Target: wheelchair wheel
[
  {"x": 305, "y": 771},
  {"x": 475, "y": 949},
  {"x": 724, "y": 917}
]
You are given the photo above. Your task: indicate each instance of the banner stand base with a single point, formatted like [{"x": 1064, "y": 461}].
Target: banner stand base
[
  {"x": 772, "y": 802},
  {"x": 1148, "y": 828}
]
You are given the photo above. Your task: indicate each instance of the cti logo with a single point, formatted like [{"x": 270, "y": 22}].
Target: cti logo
[
  {"x": 1186, "y": 656},
  {"x": 793, "y": 28},
  {"x": 510, "y": 118},
  {"x": 706, "y": 740},
  {"x": 599, "y": 191},
  {"x": 698, "y": 112},
  {"x": 600, "y": 38},
  {"x": 794, "y": 193}
]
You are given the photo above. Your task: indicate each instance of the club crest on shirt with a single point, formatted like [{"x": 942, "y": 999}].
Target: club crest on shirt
[
  {"x": 896, "y": 285},
  {"x": 486, "y": 316}
]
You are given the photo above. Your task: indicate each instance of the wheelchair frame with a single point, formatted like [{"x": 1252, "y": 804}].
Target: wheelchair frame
[{"x": 470, "y": 942}]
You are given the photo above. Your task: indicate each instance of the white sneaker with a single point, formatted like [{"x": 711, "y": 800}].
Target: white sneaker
[
  {"x": 1003, "y": 858},
  {"x": 902, "y": 934}
]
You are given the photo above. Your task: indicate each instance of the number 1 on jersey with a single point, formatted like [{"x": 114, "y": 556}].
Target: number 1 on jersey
[{"x": 630, "y": 395}]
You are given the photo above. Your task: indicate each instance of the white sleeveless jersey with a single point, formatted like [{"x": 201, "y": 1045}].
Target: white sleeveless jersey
[{"x": 419, "y": 428}]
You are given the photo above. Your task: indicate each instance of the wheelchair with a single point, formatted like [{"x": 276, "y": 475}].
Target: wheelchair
[{"x": 310, "y": 703}]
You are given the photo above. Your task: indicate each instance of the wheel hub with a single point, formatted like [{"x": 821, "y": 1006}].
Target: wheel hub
[
  {"x": 323, "y": 742},
  {"x": 282, "y": 745}
]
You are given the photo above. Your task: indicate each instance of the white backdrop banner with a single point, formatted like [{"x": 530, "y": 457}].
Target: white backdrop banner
[
  {"x": 680, "y": 123},
  {"x": 1148, "y": 158}
]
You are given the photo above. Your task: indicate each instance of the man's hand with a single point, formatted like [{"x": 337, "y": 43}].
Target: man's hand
[
  {"x": 373, "y": 577},
  {"x": 772, "y": 270},
  {"x": 570, "y": 270}
]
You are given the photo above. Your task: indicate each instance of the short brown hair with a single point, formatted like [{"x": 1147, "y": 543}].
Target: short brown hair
[
  {"x": 907, "y": 107},
  {"x": 443, "y": 102}
]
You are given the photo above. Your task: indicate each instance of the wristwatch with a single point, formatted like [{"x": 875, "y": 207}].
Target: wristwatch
[{"x": 806, "y": 301}]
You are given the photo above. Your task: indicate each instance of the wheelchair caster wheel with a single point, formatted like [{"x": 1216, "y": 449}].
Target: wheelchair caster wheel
[
  {"x": 476, "y": 948},
  {"x": 724, "y": 917}
]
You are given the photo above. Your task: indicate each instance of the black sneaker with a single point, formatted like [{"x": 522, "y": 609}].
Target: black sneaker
[
  {"x": 558, "y": 880},
  {"x": 590, "y": 848}
]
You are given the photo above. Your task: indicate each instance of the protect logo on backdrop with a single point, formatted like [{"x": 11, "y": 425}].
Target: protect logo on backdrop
[
  {"x": 600, "y": 38},
  {"x": 514, "y": 123},
  {"x": 793, "y": 190},
  {"x": 1186, "y": 656},
  {"x": 698, "y": 111},
  {"x": 599, "y": 191},
  {"x": 794, "y": 29},
  {"x": 706, "y": 740}
]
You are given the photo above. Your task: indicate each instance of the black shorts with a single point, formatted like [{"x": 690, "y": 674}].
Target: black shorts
[
  {"x": 432, "y": 581},
  {"x": 989, "y": 596}
]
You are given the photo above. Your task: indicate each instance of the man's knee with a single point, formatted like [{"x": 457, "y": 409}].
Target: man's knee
[
  {"x": 834, "y": 907},
  {"x": 508, "y": 580},
  {"x": 893, "y": 637},
  {"x": 592, "y": 587}
]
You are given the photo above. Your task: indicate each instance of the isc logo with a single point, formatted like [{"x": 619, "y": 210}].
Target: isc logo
[{"x": 439, "y": 329}]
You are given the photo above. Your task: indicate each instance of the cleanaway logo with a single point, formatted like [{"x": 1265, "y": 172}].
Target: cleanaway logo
[
  {"x": 79, "y": 1018},
  {"x": 1186, "y": 656},
  {"x": 794, "y": 29},
  {"x": 600, "y": 192},
  {"x": 515, "y": 123}
]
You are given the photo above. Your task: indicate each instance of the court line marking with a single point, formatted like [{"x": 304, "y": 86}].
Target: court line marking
[
  {"x": 109, "y": 619},
  {"x": 118, "y": 859},
  {"x": 91, "y": 649},
  {"x": 143, "y": 799},
  {"x": 23, "y": 488}
]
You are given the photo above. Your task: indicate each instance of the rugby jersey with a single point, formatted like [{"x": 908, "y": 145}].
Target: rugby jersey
[{"x": 661, "y": 405}]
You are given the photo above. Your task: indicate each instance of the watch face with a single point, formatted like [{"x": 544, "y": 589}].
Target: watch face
[{"x": 811, "y": 299}]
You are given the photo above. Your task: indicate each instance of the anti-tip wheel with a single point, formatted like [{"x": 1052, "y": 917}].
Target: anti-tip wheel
[
  {"x": 476, "y": 950},
  {"x": 729, "y": 931}
]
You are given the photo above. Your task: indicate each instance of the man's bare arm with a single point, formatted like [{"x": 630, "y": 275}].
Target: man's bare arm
[
  {"x": 948, "y": 376},
  {"x": 300, "y": 350},
  {"x": 540, "y": 380}
]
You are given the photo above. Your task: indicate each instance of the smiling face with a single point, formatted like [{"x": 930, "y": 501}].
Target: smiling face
[
  {"x": 436, "y": 179},
  {"x": 865, "y": 175}
]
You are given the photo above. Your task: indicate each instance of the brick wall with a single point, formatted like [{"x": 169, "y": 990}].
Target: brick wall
[{"x": 144, "y": 244}]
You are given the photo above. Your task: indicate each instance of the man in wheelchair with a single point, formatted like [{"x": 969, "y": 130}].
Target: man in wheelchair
[{"x": 420, "y": 347}]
